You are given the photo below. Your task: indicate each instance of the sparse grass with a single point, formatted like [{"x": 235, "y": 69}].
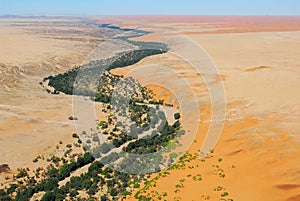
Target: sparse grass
[
  {"x": 224, "y": 194},
  {"x": 198, "y": 177}
]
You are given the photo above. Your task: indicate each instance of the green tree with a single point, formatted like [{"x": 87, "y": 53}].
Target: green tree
[
  {"x": 12, "y": 188},
  {"x": 88, "y": 158},
  {"x": 48, "y": 196},
  {"x": 113, "y": 192},
  {"x": 73, "y": 193},
  {"x": 104, "y": 198}
]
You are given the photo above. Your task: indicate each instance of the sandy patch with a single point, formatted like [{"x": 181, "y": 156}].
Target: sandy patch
[
  {"x": 259, "y": 146},
  {"x": 32, "y": 121}
]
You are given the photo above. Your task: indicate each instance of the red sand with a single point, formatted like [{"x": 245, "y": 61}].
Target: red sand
[{"x": 223, "y": 24}]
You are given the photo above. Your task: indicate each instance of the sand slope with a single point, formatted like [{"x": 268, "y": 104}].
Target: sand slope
[{"x": 260, "y": 143}]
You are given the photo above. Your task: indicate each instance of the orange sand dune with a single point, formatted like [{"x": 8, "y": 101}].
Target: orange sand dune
[
  {"x": 213, "y": 24},
  {"x": 259, "y": 146}
]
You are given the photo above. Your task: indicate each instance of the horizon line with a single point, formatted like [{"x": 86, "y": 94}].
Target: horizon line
[{"x": 146, "y": 15}]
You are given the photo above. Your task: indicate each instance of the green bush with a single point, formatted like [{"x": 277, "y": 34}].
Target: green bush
[
  {"x": 75, "y": 135},
  {"x": 177, "y": 116},
  {"x": 113, "y": 192},
  {"x": 74, "y": 193}
]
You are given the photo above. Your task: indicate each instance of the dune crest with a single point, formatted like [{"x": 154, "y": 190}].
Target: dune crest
[{"x": 257, "y": 68}]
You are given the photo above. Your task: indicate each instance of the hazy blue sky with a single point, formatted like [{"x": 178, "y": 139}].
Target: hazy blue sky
[{"x": 152, "y": 7}]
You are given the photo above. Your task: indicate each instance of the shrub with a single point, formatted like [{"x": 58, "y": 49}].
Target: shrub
[
  {"x": 12, "y": 188},
  {"x": 5, "y": 198},
  {"x": 73, "y": 118},
  {"x": 75, "y": 135},
  {"x": 101, "y": 123},
  {"x": 113, "y": 192},
  {"x": 126, "y": 193},
  {"x": 104, "y": 198},
  {"x": 74, "y": 193},
  {"x": 48, "y": 196},
  {"x": 224, "y": 194},
  {"x": 22, "y": 174},
  {"x": 177, "y": 116}
]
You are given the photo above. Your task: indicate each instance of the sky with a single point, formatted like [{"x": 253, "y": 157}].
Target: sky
[{"x": 150, "y": 7}]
